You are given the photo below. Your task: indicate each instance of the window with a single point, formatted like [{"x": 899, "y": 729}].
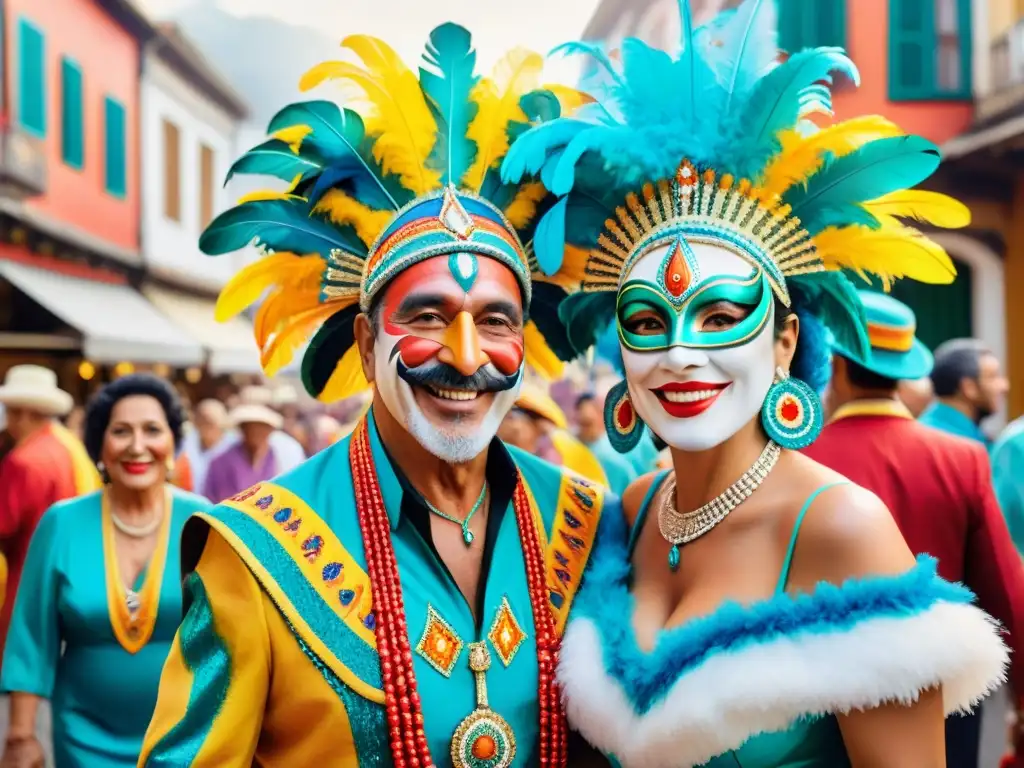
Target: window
[
  {"x": 116, "y": 155},
  {"x": 72, "y": 140},
  {"x": 172, "y": 171},
  {"x": 206, "y": 165},
  {"x": 32, "y": 78},
  {"x": 811, "y": 24},
  {"x": 929, "y": 49}
]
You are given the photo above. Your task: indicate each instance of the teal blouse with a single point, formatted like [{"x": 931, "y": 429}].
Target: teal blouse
[{"x": 62, "y": 647}]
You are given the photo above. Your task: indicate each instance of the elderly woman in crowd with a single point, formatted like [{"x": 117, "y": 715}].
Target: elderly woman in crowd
[{"x": 101, "y": 579}]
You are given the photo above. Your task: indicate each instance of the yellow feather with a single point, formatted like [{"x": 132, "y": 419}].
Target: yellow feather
[
  {"x": 270, "y": 194},
  {"x": 398, "y": 113},
  {"x": 245, "y": 288},
  {"x": 497, "y": 99},
  {"x": 892, "y": 252},
  {"x": 293, "y": 335},
  {"x": 285, "y": 303},
  {"x": 293, "y": 136},
  {"x": 539, "y": 355},
  {"x": 569, "y": 98},
  {"x": 570, "y": 275},
  {"x": 928, "y": 207},
  {"x": 344, "y": 210},
  {"x": 524, "y": 204},
  {"x": 802, "y": 155},
  {"x": 347, "y": 379}
]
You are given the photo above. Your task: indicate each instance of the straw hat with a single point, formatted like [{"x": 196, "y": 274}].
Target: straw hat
[
  {"x": 254, "y": 407},
  {"x": 35, "y": 387}
]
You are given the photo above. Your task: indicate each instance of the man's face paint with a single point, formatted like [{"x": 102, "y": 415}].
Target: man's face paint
[
  {"x": 449, "y": 352},
  {"x": 698, "y": 350}
]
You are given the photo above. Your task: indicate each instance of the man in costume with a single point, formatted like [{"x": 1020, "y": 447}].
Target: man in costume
[
  {"x": 46, "y": 464},
  {"x": 939, "y": 488},
  {"x": 399, "y": 598}
]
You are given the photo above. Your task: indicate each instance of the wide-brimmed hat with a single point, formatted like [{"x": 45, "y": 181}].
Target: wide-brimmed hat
[
  {"x": 254, "y": 408},
  {"x": 896, "y": 353},
  {"x": 541, "y": 404},
  {"x": 35, "y": 387}
]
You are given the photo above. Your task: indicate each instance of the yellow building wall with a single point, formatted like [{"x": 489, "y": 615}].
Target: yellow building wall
[
  {"x": 1013, "y": 273},
  {"x": 1003, "y": 14}
]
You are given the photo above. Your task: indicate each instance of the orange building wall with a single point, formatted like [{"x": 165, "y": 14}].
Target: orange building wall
[
  {"x": 867, "y": 40},
  {"x": 109, "y": 58}
]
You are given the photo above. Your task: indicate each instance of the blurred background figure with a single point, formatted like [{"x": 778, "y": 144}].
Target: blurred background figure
[
  {"x": 969, "y": 387},
  {"x": 101, "y": 596},
  {"x": 45, "y": 464},
  {"x": 75, "y": 421},
  {"x": 591, "y": 430},
  {"x": 208, "y": 437},
  {"x": 916, "y": 394},
  {"x": 326, "y": 431},
  {"x": 250, "y": 459},
  {"x": 1008, "y": 476}
]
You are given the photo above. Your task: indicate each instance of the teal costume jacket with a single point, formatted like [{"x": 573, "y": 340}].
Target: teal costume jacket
[{"x": 276, "y": 660}]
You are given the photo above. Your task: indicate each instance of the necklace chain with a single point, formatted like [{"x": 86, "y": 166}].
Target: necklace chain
[
  {"x": 467, "y": 535},
  {"x": 683, "y": 527},
  {"x": 136, "y": 531}
]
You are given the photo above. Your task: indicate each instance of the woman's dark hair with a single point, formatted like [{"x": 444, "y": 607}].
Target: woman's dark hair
[
  {"x": 97, "y": 412},
  {"x": 812, "y": 361}
]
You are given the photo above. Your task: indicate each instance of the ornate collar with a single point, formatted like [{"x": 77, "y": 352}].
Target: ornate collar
[{"x": 873, "y": 407}]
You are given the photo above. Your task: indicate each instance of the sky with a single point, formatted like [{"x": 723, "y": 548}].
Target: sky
[{"x": 405, "y": 24}]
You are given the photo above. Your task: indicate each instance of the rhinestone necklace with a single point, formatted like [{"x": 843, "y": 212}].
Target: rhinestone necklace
[
  {"x": 683, "y": 527},
  {"x": 467, "y": 535}
]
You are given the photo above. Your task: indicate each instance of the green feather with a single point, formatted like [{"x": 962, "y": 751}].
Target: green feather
[
  {"x": 327, "y": 347},
  {"x": 275, "y": 158},
  {"x": 878, "y": 168},
  {"x": 832, "y": 297},
  {"x": 447, "y": 90},
  {"x": 585, "y": 316},
  {"x": 282, "y": 225},
  {"x": 839, "y": 216}
]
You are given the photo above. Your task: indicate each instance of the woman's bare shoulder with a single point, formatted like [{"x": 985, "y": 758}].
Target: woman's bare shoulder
[{"x": 635, "y": 494}]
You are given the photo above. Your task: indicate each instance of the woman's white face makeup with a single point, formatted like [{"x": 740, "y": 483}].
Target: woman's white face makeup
[{"x": 698, "y": 371}]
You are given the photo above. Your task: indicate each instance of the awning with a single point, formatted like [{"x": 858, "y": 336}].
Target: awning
[
  {"x": 231, "y": 346},
  {"x": 116, "y": 322}
]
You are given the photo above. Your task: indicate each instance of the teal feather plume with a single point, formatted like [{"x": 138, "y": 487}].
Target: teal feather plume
[
  {"x": 595, "y": 51},
  {"x": 281, "y": 225},
  {"x": 833, "y": 298},
  {"x": 875, "y": 169},
  {"x": 549, "y": 238},
  {"x": 275, "y": 158},
  {"x": 585, "y": 316},
  {"x": 447, "y": 90},
  {"x": 748, "y": 41},
  {"x": 844, "y": 215}
]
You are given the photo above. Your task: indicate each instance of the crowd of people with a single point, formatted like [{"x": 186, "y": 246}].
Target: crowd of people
[{"x": 781, "y": 538}]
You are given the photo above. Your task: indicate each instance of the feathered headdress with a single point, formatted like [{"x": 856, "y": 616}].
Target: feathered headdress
[
  {"x": 413, "y": 174},
  {"x": 719, "y": 144}
]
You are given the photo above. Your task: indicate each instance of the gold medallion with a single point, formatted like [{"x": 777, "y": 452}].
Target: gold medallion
[{"x": 484, "y": 739}]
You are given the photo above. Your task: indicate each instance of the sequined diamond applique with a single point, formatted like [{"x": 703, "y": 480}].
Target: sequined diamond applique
[
  {"x": 439, "y": 645},
  {"x": 506, "y": 635}
]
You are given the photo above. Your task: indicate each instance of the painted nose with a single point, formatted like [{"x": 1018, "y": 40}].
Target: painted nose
[
  {"x": 680, "y": 358},
  {"x": 462, "y": 346}
]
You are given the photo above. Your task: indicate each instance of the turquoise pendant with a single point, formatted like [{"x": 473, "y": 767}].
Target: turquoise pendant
[
  {"x": 467, "y": 536},
  {"x": 673, "y": 557}
]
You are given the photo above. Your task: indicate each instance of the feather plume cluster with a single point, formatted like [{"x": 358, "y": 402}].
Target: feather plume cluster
[
  {"x": 731, "y": 106},
  {"x": 400, "y": 135}
]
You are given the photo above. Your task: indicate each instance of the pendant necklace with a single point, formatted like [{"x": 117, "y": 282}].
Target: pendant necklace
[
  {"x": 136, "y": 531},
  {"x": 467, "y": 535},
  {"x": 683, "y": 527}
]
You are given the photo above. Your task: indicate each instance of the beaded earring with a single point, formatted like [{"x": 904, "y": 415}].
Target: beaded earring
[
  {"x": 624, "y": 426},
  {"x": 791, "y": 414}
]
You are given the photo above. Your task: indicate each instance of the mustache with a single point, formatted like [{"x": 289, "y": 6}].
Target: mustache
[{"x": 442, "y": 376}]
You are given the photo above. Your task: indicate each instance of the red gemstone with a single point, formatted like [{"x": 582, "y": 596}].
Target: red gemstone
[
  {"x": 677, "y": 272},
  {"x": 484, "y": 747},
  {"x": 790, "y": 410},
  {"x": 624, "y": 415}
]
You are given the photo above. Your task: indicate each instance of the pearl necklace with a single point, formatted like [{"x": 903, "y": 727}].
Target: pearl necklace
[
  {"x": 467, "y": 535},
  {"x": 683, "y": 527},
  {"x": 136, "y": 531}
]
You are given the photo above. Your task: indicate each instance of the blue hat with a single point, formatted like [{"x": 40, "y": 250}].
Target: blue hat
[{"x": 895, "y": 352}]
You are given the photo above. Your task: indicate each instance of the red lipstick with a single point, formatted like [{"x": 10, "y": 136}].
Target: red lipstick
[
  {"x": 136, "y": 467},
  {"x": 684, "y": 400}
]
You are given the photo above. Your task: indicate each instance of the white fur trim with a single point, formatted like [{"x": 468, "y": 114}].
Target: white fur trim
[{"x": 764, "y": 688}]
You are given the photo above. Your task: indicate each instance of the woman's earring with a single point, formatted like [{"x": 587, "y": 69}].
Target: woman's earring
[
  {"x": 170, "y": 465},
  {"x": 102, "y": 469},
  {"x": 624, "y": 426},
  {"x": 791, "y": 414}
]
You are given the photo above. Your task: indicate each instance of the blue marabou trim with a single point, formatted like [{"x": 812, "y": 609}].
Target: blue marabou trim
[
  {"x": 206, "y": 656},
  {"x": 646, "y": 677},
  {"x": 335, "y": 634}
]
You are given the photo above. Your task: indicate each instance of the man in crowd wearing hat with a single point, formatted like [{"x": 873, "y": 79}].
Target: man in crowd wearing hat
[
  {"x": 938, "y": 487},
  {"x": 250, "y": 459},
  {"x": 45, "y": 465},
  {"x": 969, "y": 387}
]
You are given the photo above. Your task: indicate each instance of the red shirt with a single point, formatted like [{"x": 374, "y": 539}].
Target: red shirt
[
  {"x": 939, "y": 490},
  {"x": 36, "y": 474}
]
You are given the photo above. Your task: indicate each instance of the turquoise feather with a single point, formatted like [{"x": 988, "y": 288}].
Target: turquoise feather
[
  {"x": 748, "y": 42},
  {"x": 282, "y": 225},
  {"x": 593, "y": 50},
  {"x": 275, "y": 158},
  {"x": 447, "y": 91},
  {"x": 833, "y": 298},
  {"x": 839, "y": 216},
  {"x": 585, "y": 316},
  {"x": 340, "y": 138},
  {"x": 549, "y": 238},
  {"x": 876, "y": 169}
]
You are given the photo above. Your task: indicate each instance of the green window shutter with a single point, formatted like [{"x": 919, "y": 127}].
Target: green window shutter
[
  {"x": 32, "y": 78},
  {"x": 791, "y": 16},
  {"x": 72, "y": 139},
  {"x": 116, "y": 156},
  {"x": 811, "y": 24},
  {"x": 915, "y": 51},
  {"x": 829, "y": 23}
]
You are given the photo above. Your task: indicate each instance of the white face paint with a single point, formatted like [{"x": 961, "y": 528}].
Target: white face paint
[
  {"x": 738, "y": 377},
  {"x": 455, "y": 440}
]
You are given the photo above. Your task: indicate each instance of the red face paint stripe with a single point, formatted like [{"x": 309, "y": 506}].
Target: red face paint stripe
[
  {"x": 508, "y": 357},
  {"x": 415, "y": 351}
]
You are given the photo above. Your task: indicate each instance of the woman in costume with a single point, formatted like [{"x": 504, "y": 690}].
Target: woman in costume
[
  {"x": 755, "y": 609},
  {"x": 100, "y": 601}
]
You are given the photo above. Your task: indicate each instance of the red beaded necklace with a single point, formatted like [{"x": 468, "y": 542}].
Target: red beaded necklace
[{"x": 401, "y": 699}]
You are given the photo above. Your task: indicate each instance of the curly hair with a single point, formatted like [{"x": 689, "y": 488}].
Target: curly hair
[{"x": 97, "y": 412}]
